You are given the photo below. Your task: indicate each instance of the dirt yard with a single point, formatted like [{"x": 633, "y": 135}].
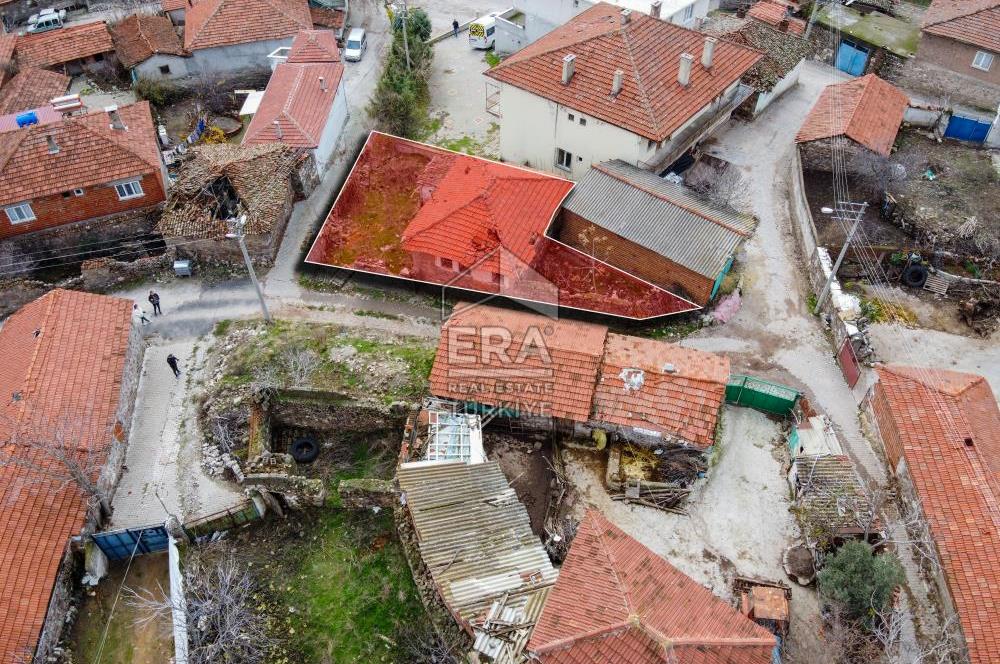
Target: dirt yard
[
  {"x": 527, "y": 466},
  {"x": 739, "y": 521}
]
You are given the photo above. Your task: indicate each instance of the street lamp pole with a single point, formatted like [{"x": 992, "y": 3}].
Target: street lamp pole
[
  {"x": 854, "y": 212},
  {"x": 237, "y": 232}
]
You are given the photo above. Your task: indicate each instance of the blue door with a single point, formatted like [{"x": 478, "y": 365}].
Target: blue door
[
  {"x": 967, "y": 129},
  {"x": 121, "y": 544},
  {"x": 852, "y": 57}
]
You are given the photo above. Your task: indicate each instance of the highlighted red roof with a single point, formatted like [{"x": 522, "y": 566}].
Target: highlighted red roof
[
  {"x": 867, "y": 110},
  {"x": 61, "y": 363},
  {"x": 423, "y": 213},
  {"x": 617, "y": 602},
  {"x": 55, "y": 47},
  {"x": 947, "y": 427}
]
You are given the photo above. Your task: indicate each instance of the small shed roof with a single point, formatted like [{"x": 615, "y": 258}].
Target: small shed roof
[
  {"x": 829, "y": 488},
  {"x": 867, "y": 110},
  {"x": 138, "y": 38},
  {"x": 55, "y": 47},
  {"x": 975, "y": 22},
  {"x": 31, "y": 88},
  {"x": 662, "y": 216},
  {"x": 874, "y": 28}
]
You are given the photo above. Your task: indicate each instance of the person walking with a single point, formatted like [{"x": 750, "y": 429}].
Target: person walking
[
  {"x": 139, "y": 314},
  {"x": 172, "y": 361},
  {"x": 454, "y": 26},
  {"x": 154, "y": 299}
]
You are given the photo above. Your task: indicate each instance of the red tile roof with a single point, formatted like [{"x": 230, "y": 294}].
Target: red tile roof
[
  {"x": 404, "y": 202},
  {"x": 56, "y": 47},
  {"x": 45, "y": 115},
  {"x": 774, "y": 13},
  {"x": 7, "y": 43},
  {"x": 975, "y": 22},
  {"x": 69, "y": 375},
  {"x": 212, "y": 23},
  {"x": 138, "y": 38},
  {"x": 173, "y": 5},
  {"x": 314, "y": 46},
  {"x": 295, "y": 99},
  {"x": 652, "y": 103},
  {"x": 867, "y": 110},
  {"x": 948, "y": 424},
  {"x": 31, "y": 88},
  {"x": 617, "y": 602},
  {"x": 90, "y": 153},
  {"x": 661, "y": 387},
  {"x": 328, "y": 18},
  {"x": 549, "y": 369}
]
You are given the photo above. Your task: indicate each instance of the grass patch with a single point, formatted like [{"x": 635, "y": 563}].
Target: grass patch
[
  {"x": 221, "y": 328},
  {"x": 465, "y": 144},
  {"x": 674, "y": 331},
  {"x": 492, "y": 59},
  {"x": 369, "y": 313},
  {"x": 879, "y": 311},
  {"x": 319, "y": 284},
  {"x": 811, "y": 301}
]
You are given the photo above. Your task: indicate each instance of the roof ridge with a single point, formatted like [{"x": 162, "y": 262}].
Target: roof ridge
[
  {"x": 627, "y": 596},
  {"x": 16, "y": 140},
  {"x": 987, "y": 6},
  {"x": 282, "y": 10},
  {"x": 638, "y": 77},
  {"x": 32, "y": 364},
  {"x": 80, "y": 122},
  {"x": 208, "y": 19}
]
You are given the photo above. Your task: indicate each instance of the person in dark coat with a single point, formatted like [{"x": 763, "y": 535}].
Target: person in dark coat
[
  {"x": 154, "y": 299},
  {"x": 172, "y": 361},
  {"x": 454, "y": 27}
]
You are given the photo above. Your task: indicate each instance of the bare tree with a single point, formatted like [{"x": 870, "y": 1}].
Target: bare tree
[
  {"x": 946, "y": 646},
  {"x": 300, "y": 363},
  {"x": 420, "y": 644},
  {"x": 879, "y": 174},
  {"x": 728, "y": 190},
  {"x": 222, "y": 624}
]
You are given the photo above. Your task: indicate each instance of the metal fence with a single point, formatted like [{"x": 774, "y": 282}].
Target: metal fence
[
  {"x": 224, "y": 520},
  {"x": 761, "y": 395}
]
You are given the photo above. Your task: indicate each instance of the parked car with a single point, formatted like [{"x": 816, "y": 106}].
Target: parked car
[
  {"x": 481, "y": 31},
  {"x": 45, "y": 20},
  {"x": 357, "y": 43}
]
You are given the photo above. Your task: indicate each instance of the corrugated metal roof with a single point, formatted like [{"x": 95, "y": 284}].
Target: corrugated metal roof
[
  {"x": 662, "y": 216},
  {"x": 475, "y": 537}
]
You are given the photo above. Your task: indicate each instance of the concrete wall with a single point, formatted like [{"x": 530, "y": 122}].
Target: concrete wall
[
  {"x": 633, "y": 258},
  {"x": 532, "y": 128},
  {"x": 151, "y": 68},
  {"x": 55, "y": 614},
  {"x": 232, "y": 58},
  {"x": 96, "y": 202},
  {"x": 791, "y": 79},
  {"x": 332, "y": 130},
  {"x": 699, "y": 11},
  {"x": 957, "y": 57}
]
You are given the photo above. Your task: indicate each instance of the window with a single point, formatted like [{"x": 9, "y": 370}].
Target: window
[
  {"x": 78, "y": 192},
  {"x": 689, "y": 12},
  {"x": 448, "y": 264},
  {"x": 983, "y": 60},
  {"x": 67, "y": 194},
  {"x": 572, "y": 117},
  {"x": 490, "y": 31},
  {"x": 164, "y": 69},
  {"x": 127, "y": 190},
  {"x": 98, "y": 57},
  {"x": 583, "y": 122},
  {"x": 19, "y": 214},
  {"x": 564, "y": 160}
]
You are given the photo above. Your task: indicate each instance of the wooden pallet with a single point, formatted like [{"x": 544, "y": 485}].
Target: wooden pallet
[{"x": 936, "y": 284}]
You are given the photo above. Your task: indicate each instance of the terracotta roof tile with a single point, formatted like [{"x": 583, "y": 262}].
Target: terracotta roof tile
[
  {"x": 774, "y": 13},
  {"x": 7, "y": 43},
  {"x": 212, "y": 23},
  {"x": 549, "y": 369},
  {"x": 69, "y": 375},
  {"x": 296, "y": 100},
  {"x": 173, "y": 5},
  {"x": 90, "y": 153},
  {"x": 327, "y": 18},
  {"x": 314, "y": 46},
  {"x": 652, "y": 103},
  {"x": 31, "y": 88},
  {"x": 948, "y": 424},
  {"x": 661, "y": 387},
  {"x": 55, "y": 47},
  {"x": 617, "y": 602},
  {"x": 138, "y": 38},
  {"x": 867, "y": 110},
  {"x": 975, "y": 22}
]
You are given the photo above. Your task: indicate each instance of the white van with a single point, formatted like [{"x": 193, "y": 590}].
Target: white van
[
  {"x": 45, "y": 20},
  {"x": 481, "y": 31},
  {"x": 356, "y": 44}
]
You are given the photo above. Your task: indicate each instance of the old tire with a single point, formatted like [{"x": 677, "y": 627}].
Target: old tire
[
  {"x": 915, "y": 276},
  {"x": 304, "y": 450}
]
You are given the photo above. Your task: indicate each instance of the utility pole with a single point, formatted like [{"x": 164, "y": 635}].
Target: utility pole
[
  {"x": 406, "y": 40},
  {"x": 237, "y": 231},
  {"x": 849, "y": 212}
]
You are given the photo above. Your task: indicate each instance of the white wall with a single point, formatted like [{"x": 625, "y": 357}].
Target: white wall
[
  {"x": 151, "y": 68},
  {"x": 332, "y": 130},
  {"x": 531, "y": 129},
  {"x": 252, "y": 55},
  {"x": 791, "y": 79}
]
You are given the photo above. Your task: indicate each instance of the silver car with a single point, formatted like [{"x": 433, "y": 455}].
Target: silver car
[{"x": 356, "y": 44}]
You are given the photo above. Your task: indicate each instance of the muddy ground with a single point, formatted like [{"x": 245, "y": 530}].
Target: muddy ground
[{"x": 527, "y": 467}]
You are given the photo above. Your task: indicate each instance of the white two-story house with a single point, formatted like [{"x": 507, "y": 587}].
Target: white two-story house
[{"x": 615, "y": 84}]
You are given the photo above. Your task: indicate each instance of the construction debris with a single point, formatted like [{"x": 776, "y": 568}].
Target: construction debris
[{"x": 666, "y": 499}]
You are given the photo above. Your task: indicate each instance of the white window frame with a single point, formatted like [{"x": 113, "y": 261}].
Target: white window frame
[
  {"x": 78, "y": 192},
  {"x": 688, "y": 13},
  {"x": 564, "y": 159},
  {"x": 22, "y": 212},
  {"x": 134, "y": 185},
  {"x": 983, "y": 61}
]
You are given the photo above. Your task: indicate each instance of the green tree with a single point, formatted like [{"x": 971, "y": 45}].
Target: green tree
[
  {"x": 399, "y": 103},
  {"x": 860, "y": 582},
  {"x": 419, "y": 24}
]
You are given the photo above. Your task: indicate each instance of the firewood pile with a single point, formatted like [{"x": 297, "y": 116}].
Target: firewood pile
[{"x": 667, "y": 499}]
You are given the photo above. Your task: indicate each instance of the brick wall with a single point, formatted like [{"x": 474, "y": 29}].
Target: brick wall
[
  {"x": 633, "y": 258},
  {"x": 97, "y": 201},
  {"x": 957, "y": 57},
  {"x": 882, "y": 412}
]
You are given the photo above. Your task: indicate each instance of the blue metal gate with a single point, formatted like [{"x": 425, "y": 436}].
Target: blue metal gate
[
  {"x": 967, "y": 129},
  {"x": 852, "y": 57},
  {"x": 119, "y": 544}
]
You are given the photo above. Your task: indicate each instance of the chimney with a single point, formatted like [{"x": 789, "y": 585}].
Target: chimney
[
  {"x": 684, "y": 73},
  {"x": 569, "y": 62},
  {"x": 708, "y": 53},
  {"x": 53, "y": 146},
  {"x": 116, "y": 118},
  {"x": 654, "y": 9},
  {"x": 617, "y": 82},
  {"x": 322, "y": 84},
  {"x": 783, "y": 24},
  {"x": 277, "y": 129},
  {"x": 626, "y": 16}
]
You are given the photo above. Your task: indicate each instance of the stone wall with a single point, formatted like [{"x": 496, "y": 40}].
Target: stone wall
[
  {"x": 112, "y": 471},
  {"x": 59, "y": 605},
  {"x": 103, "y": 274},
  {"x": 817, "y": 155},
  {"x": 367, "y": 493},
  {"x": 64, "y": 242}
]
